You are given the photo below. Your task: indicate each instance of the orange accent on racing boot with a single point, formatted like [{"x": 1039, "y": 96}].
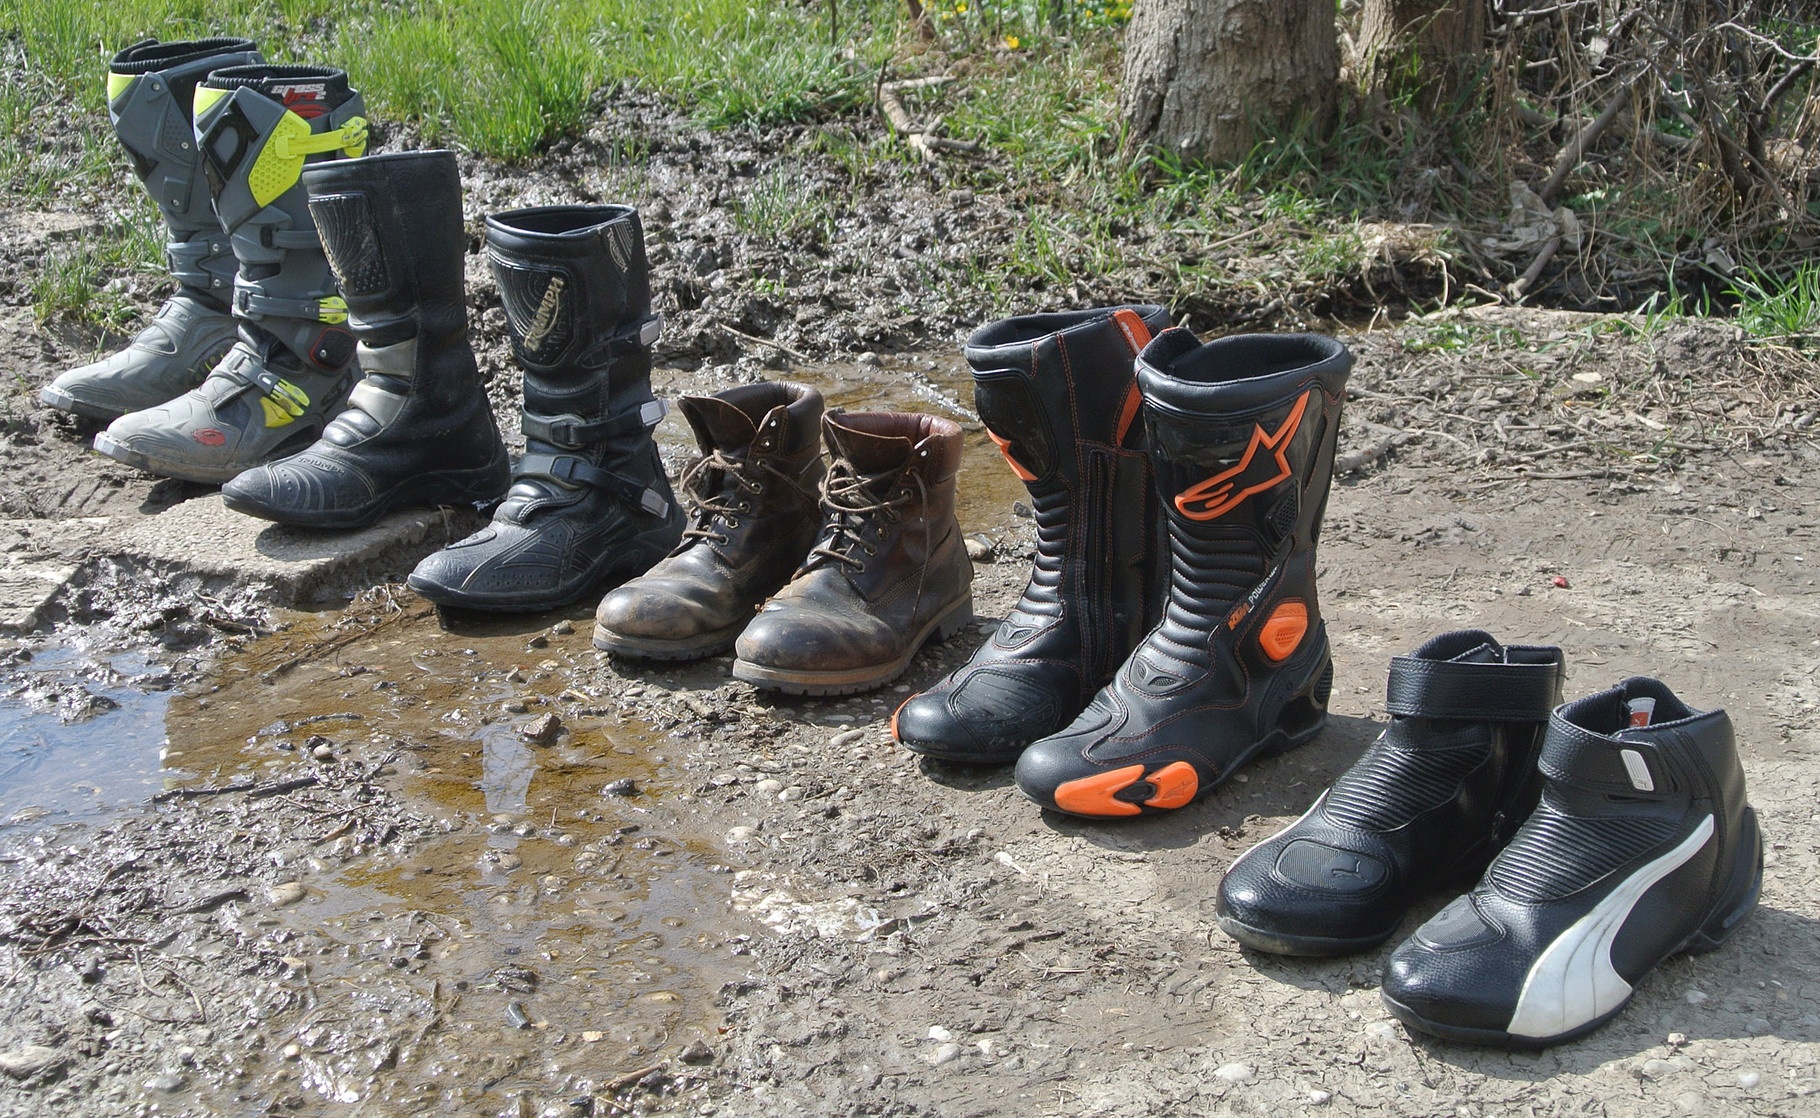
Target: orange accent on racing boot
[
  {"x": 1093, "y": 795},
  {"x": 1283, "y": 630},
  {"x": 1238, "y": 614},
  {"x": 1004, "y": 447},
  {"x": 1226, "y": 490},
  {"x": 1175, "y": 784},
  {"x": 894, "y": 713},
  {"x": 1134, "y": 403}
]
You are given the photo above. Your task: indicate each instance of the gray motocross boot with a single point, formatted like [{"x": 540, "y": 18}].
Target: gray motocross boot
[
  {"x": 293, "y": 366},
  {"x": 150, "y": 86}
]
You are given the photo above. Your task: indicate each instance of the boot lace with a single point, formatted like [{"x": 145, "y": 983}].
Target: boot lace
[
  {"x": 859, "y": 512},
  {"x": 739, "y": 480}
]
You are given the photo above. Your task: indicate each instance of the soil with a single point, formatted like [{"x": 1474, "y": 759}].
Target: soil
[{"x": 360, "y": 871}]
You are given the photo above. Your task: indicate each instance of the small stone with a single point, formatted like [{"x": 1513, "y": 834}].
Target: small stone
[
  {"x": 285, "y": 893},
  {"x": 768, "y": 786},
  {"x": 624, "y": 786},
  {"x": 541, "y": 730},
  {"x": 169, "y": 1081},
  {"x": 741, "y": 834},
  {"x": 1588, "y": 378},
  {"x": 1318, "y": 1097},
  {"x": 1381, "y": 1030},
  {"x": 1695, "y": 997},
  {"x": 32, "y": 1060},
  {"x": 291, "y": 1051},
  {"x": 538, "y": 641},
  {"x": 1233, "y": 1073},
  {"x": 947, "y": 1053},
  {"x": 1748, "y": 1080},
  {"x": 794, "y": 792},
  {"x": 1677, "y": 1040},
  {"x": 562, "y": 628},
  {"x": 514, "y": 706},
  {"x": 695, "y": 1052},
  {"x": 661, "y": 997},
  {"x": 846, "y": 738},
  {"x": 869, "y": 358},
  {"x": 1022, "y": 510},
  {"x": 937, "y": 1033},
  {"x": 1656, "y": 1069},
  {"x": 323, "y": 753},
  {"x": 979, "y": 549}
]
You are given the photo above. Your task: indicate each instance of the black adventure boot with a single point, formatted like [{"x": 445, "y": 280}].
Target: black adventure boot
[
  {"x": 1446, "y": 784},
  {"x": 1241, "y": 437},
  {"x": 150, "y": 89},
  {"x": 1643, "y": 847},
  {"x": 418, "y": 429},
  {"x": 273, "y": 393},
  {"x": 1058, "y": 393},
  {"x": 589, "y": 500}
]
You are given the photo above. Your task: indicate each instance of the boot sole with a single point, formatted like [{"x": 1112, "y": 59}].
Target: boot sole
[
  {"x": 650, "y": 648},
  {"x": 182, "y": 471},
  {"x": 448, "y": 488},
  {"x": 1721, "y": 923},
  {"x": 63, "y": 401},
  {"x": 853, "y": 681},
  {"x": 1309, "y": 947}
]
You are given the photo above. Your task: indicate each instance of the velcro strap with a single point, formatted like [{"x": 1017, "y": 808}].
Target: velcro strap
[
  {"x": 1579, "y": 758},
  {"x": 377, "y": 401},
  {"x": 572, "y": 431},
  {"x": 573, "y": 472},
  {"x": 1477, "y": 692}
]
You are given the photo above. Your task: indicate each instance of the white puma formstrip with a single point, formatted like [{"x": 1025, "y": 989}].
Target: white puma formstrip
[
  {"x": 1254, "y": 847},
  {"x": 1573, "y": 982}
]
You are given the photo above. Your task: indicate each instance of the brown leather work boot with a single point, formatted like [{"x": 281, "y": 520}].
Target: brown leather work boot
[
  {"x": 752, "y": 498},
  {"x": 888, "y": 571}
]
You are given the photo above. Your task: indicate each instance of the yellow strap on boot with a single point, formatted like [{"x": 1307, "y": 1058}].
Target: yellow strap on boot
[{"x": 280, "y": 162}]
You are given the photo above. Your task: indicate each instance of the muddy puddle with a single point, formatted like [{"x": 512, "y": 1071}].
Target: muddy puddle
[{"x": 545, "y": 910}]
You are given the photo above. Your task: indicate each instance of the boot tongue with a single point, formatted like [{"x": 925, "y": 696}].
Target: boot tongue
[
  {"x": 872, "y": 446},
  {"x": 1488, "y": 653},
  {"x": 719, "y": 424}
]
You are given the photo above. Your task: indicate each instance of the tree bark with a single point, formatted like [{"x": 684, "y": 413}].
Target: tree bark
[
  {"x": 1425, "y": 49},
  {"x": 1202, "y": 76}
]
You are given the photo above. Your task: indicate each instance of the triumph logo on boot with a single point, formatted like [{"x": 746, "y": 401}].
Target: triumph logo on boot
[
  {"x": 1255, "y": 473},
  {"x": 545, "y": 318}
]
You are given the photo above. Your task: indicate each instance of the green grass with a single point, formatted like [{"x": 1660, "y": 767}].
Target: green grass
[
  {"x": 72, "y": 282},
  {"x": 1780, "y": 308}
]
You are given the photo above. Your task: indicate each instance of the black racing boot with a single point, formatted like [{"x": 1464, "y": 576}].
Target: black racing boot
[
  {"x": 150, "y": 89},
  {"x": 292, "y": 368},
  {"x": 1448, "y": 782},
  {"x": 754, "y": 500},
  {"x": 1058, "y": 394},
  {"x": 418, "y": 430},
  {"x": 589, "y": 500},
  {"x": 1643, "y": 847},
  {"x": 1241, "y": 435}
]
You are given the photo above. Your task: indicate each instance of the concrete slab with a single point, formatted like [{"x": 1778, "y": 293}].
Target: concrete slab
[
  {"x": 300, "y": 566},
  {"x": 26, "y": 587}
]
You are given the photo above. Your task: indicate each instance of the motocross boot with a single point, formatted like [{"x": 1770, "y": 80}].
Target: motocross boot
[
  {"x": 1058, "y": 393},
  {"x": 1642, "y": 847},
  {"x": 1241, "y": 438},
  {"x": 589, "y": 499},
  {"x": 1446, "y": 785},
  {"x": 888, "y": 571},
  {"x": 293, "y": 364},
  {"x": 753, "y": 499},
  {"x": 150, "y": 89},
  {"x": 418, "y": 430}
]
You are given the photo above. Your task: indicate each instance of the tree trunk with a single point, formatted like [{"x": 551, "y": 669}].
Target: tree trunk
[
  {"x": 1201, "y": 76},
  {"x": 1426, "y": 50}
]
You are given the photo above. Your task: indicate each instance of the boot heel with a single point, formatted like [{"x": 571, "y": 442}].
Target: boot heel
[
  {"x": 1303, "y": 716},
  {"x": 1747, "y": 882},
  {"x": 955, "y": 620}
]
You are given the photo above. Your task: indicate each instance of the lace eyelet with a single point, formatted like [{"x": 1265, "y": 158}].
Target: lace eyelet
[
  {"x": 732, "y": 521},
  {"x": 869, "y": 550}
]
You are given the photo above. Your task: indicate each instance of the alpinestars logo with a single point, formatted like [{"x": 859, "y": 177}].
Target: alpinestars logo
[
  {"x": 545, "y": 318},
  {"x": 303, "y": 98},
  {"x": 1255, "y": 473}
]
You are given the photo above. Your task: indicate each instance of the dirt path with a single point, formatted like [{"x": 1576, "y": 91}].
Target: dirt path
[{"x": 388, "y": 902}]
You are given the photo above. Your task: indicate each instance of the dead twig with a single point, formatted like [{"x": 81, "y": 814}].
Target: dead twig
[
  {"x": 1575, "y": 151},
  {"x": 774, "y": 344}
]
